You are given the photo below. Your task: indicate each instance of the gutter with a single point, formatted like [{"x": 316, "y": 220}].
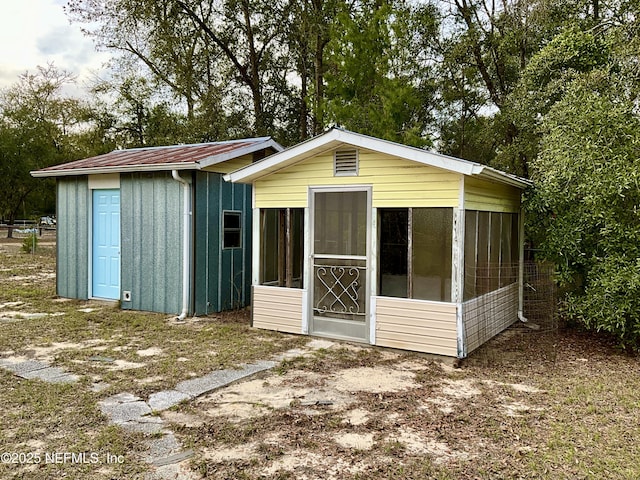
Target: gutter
[{"x": 186, "y": 222}]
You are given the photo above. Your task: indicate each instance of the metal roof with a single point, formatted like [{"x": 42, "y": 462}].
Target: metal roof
[{"x": 173, "y": 157}]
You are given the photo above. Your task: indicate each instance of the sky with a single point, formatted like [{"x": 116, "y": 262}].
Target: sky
[{"x": 35, "y": 32}]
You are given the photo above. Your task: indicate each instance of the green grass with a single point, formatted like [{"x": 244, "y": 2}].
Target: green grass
[{"x": 39, "y": 417}]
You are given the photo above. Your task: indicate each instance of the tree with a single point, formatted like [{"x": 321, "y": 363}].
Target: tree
[
  {"x": 36, "y": 123},
  {"x": 488, "y": 48},
  {"x": 585, "y": 209},
  {"x": 376, "y": 82}
]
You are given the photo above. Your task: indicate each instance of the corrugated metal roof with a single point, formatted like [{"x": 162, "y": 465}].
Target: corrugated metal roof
[{"x": 192, "y": 156}]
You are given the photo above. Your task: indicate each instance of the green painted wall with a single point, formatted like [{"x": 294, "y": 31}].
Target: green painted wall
[
  {"x": 72, "y": 279},
  {"x": 222, "y": 277},
  {"x": 151, "y": 232}
]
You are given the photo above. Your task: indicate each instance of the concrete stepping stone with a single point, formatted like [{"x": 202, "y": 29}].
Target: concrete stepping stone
[
  {"x": 221, "y": 378},
  {"x": 123, "y": 408},
  {"x": 166, "y": 399},
  {"x": 30, "y": 369}
]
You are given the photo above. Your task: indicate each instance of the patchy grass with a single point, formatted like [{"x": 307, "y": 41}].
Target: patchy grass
[
  {"x": 136, "y": 352},
  {"x": 526, "y": 405}
]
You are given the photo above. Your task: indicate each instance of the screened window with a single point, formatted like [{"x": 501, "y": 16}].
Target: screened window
[
  {"x": 415, "y": 253},
  {"x": 231, "y": 230},
  {"x": 281, "y": 246},
  {"x": 491, "y": 251}
]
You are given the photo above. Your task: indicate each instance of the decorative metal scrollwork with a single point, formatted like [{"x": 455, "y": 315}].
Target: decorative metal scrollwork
[{"x": 341, "y": 284}]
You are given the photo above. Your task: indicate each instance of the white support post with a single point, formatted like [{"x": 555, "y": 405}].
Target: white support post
[
  {"x": 373, "y": 275},
  {"x": 306, "y": 273},
  {"x": 457, "y": 269},
  {"x": 255, "y": 247}
]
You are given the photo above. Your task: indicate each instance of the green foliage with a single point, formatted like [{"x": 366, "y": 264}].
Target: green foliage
[
  {"x": 375, "y": 84},
  {"x": 30, "y": 243},
  {"x": 35, "y": 125},
  {"x": 586, "y": 207}
]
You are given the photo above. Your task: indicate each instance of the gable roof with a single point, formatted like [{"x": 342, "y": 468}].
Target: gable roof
[
  {"x": 336, "y": 137},
  {"x": 172, "y": 157}
]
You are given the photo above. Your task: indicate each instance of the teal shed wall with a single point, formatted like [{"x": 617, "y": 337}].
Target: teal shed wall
[
  {"x": 222, "y": 277},
  {"x": 151, "y": 241},
  {"x": 72, "y": 245}
]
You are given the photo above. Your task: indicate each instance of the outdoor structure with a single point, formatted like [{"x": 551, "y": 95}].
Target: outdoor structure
[
  {"x": 363, "y": 239},
  {"x": 157, "y": 228}
]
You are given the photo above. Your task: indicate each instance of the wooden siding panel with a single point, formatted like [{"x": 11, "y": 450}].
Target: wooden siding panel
[
  {"x": 421, "y": 326},
  {"x": 488, "y": 315},
  {"x": 151, "y": 232},
  {"x": 277, "y": 308},
  {"x": 72, "y": 245},
  {"x": 396, "y": 182},
  {"x": 489, "y": 196}
]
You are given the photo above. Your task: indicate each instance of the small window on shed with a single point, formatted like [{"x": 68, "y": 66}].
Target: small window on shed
[
  {"x": 231, "y": 231},
  {"x": 345, "y": 163}
]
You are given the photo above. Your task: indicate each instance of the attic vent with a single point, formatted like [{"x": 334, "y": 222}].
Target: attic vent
[{"x": 345, "y": 162}]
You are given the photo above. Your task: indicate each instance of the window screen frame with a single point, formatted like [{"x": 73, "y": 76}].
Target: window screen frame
[
  {"x": 445, "y": 294},
  {"x": 288, "y": 253},
  {"x": 225, "y": 230}
]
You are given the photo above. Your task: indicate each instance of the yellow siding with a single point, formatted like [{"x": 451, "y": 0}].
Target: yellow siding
[
  {"x": 396, "y": 182},
  {"x": 420, "y": 326},
  {"x": 231, "y": 165},
  {"x": 277, "y": 308},
  {"x": 490, "y": 196}
]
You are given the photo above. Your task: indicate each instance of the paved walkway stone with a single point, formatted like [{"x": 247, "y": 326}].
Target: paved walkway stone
[
  {"x": 30, "y": 369},
  {"x": 164, "y": 450},
  {"x": 221, "y": 378},
  {"x": 166, "y": 399}
]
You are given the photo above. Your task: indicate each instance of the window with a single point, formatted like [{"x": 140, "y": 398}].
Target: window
[
  {"x": 415, "y": 253},
  {"x": 281, "y": 246},
  {"x": 231, "y": 231},
  {"x": 345, "y": 163},
  {"x": 491, "y": 251}
]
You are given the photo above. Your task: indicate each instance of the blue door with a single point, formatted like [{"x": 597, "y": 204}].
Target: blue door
[{"x": 106, "y": 244}]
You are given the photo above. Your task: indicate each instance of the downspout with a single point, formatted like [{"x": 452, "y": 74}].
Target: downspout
[{"x": 186, "y": 222}]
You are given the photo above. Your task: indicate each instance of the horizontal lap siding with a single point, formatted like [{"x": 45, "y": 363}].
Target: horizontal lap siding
[
  {"x": 490, "y": 196},
  {"x": 428, "y": 327},
  {"x": 277, "y": 308},
  {"x": 486, "y": 316},
  {"x": 396, "y": 182}
]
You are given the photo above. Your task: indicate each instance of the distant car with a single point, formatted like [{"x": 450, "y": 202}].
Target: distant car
[{"x": 48, "y": 221}]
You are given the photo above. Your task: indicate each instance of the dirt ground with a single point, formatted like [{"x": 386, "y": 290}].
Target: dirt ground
[{"x": 529, "y": 404}]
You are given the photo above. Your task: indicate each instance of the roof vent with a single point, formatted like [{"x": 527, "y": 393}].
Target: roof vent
[{"x": 345, "y": 163}]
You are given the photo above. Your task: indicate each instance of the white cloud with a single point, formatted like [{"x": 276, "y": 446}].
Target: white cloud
[{"x": 37, "y": 32}]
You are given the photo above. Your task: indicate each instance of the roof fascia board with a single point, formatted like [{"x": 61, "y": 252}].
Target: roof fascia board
[
  {"x": 334, "y": 137},
  {"x": 115, "y": 169},
  {"x": 238, "y": 152},
  {"x": 280, "y": 160},
  {"x": 502, "y": 177}
]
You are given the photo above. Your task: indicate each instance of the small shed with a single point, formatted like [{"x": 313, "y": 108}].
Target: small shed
[
  {"x": 157, "y": 228},
  {"x": 364, "y": 239}
]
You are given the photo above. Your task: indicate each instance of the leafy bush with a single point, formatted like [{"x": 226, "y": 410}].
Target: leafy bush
[
  {"x": 30, "y": 243},
  {"x": 586, "y": 203}
]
